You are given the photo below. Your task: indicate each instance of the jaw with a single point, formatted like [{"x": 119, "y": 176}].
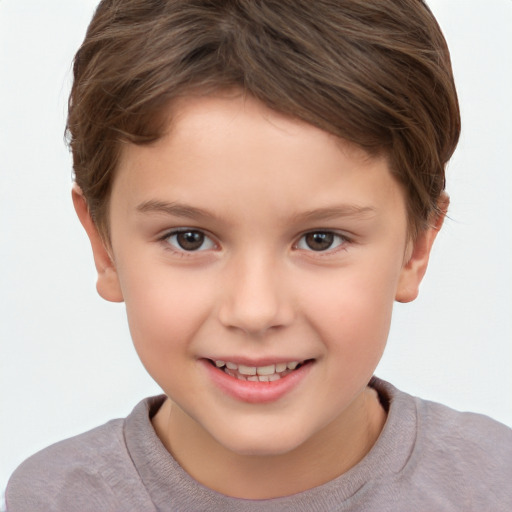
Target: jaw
[{"x": 259, "y": 466}]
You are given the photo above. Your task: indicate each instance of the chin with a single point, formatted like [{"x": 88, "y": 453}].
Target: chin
[{"x": 262, "y": 444}]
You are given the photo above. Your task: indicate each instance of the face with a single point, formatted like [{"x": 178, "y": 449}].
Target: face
[{"x": 259, "y": 258}]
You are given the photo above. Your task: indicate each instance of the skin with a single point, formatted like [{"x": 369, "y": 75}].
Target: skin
[{"x": 255, "y": 183}]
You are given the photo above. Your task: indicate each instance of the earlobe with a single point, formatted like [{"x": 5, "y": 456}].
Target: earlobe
[
  {"x": 107, "y": 284},
  {"x": 418, "y": 256}
]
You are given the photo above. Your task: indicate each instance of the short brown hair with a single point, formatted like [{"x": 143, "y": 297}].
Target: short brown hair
[{"x": 376, "y": 73}]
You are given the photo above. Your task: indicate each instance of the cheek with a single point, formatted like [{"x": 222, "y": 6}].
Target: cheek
[
  {"x": 353, "y": 313},
  {"x": 165, "y": 310}
]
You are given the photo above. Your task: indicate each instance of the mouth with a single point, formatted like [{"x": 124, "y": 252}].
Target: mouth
[{"x": 267, "y": 373}]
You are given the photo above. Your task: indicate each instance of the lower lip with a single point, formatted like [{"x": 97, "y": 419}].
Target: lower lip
[{"x": 256, "y": 392}]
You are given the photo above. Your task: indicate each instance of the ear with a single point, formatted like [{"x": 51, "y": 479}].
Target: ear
[
  {"x": 108, "y": 285},
  {"x": 418, "y": 255}
]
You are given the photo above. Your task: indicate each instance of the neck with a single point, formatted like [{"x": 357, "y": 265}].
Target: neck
[{"x": 331, "y": 452}]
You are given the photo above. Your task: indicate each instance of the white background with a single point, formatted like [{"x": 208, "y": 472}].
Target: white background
[{"x": 66, "y": 361}]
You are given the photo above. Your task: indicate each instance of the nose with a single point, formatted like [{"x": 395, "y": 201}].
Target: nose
[{"x": 255, "y": 297}]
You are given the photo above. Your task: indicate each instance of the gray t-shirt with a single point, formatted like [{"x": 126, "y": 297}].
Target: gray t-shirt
[{"x": 427, "y": 458}]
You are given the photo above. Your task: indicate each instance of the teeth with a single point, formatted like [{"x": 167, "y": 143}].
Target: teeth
[
  {"x": 247, "y": 370},
  {"x": 264, "y": 378},
  {"x": 267, "y": 373},
  {"x": 268, "y": 370}
]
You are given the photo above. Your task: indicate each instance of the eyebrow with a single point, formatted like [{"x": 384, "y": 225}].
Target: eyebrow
[
  {"x": 336, "y": 212},
  {"x": 176, "y": 209}
]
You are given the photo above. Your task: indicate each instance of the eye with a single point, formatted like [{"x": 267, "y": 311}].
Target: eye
[
  {"x": 189, "y": 240},
  {"x": 320, "y": 241}
]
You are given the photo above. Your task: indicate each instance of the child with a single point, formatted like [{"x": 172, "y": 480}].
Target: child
[{"x": 260, "y": 181}]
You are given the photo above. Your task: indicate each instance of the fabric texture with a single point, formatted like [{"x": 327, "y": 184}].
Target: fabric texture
[{"x": 427, "y": 458}]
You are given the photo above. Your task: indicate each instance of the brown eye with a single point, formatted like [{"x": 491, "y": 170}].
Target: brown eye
[
  {"x": 189, "y": 241},
  {"x": 319, "y": 241}
]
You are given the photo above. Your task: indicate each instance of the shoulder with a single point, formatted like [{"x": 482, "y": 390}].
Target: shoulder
[
  {"x": 443, "y": 430},
  {"x": 74, "y": 467},
  {"x": 468, "y": 455},
  {"x": 88, "y": 472},
  {"x": 470, "y": 429},
  {"x": 488, "y": 441},
  {"x": 442, "y": 459}
]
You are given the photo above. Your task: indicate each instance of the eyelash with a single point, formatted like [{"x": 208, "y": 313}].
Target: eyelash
[{"x": 334, "y": 238}]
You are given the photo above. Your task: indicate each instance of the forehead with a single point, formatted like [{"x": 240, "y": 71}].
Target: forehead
[
  {"x": 225, "y": 112},
  {"x": 228, "y": 110},
  {"x": 230, "y": 149}
]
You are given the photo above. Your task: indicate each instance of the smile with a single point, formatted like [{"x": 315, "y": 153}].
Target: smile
[
  {"x": 268, "y": 382},
  {"x": 268, "y": 373}
]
